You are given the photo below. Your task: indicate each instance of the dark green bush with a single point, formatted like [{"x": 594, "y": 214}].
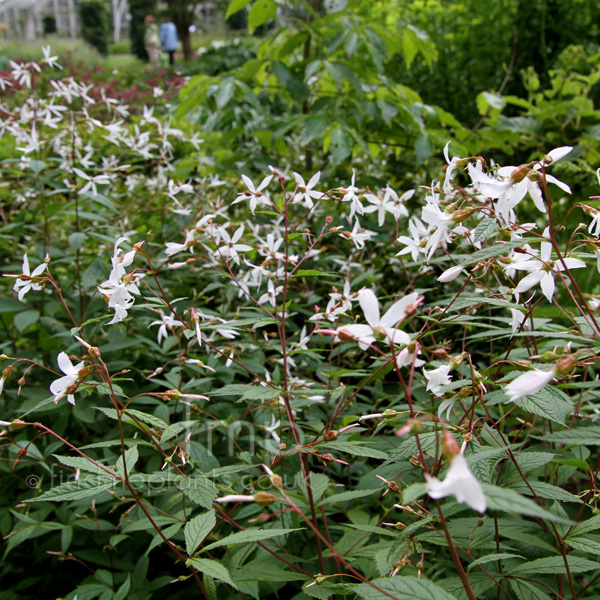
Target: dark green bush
[
  {"x": 95, "y": 24},
  {"x": 49, "y": 24}
]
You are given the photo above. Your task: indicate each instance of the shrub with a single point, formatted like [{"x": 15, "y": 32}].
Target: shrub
[
  {"x": 95, "y": 28},
  {"x": 49, "y": 24}
]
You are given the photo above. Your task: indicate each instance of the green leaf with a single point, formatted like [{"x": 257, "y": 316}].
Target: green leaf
[
  {"x": 224, "y": 93},
  {"x": 76, "y": 240},
  {"x": 545, "y": 490},
  {"x": 413, "y": 492},
  {"x": 131, "y": 458},
  {"x": 347, "y": 496},
  {"x": 313, "y": 273},
  {"x": 123, "y": 590},
  {"x": 407, "y": 588},
  {"x": 200, "y": 490},
  {"x": 493, "y": 558},
  {"x": 555, "y": 565},
  {"x": 79, "y": 462},
  {"x": 258, "y": 392},
  {"x": 586, "y": 526},
  {"x": 212, "y": 568},
  {"x": 578, "y": 436},
  {"x": 550, "y": 403},
  {"x": 487, "y": 101},
  {"x": 509, "y": 501},
  {"x": 423, "y": 148},
  {"x": 485, "y": 230},
  {"x": 197, "y": 529},
  {"x": 340, "y": 145},
  {"x": 236, "y": 6},
  {"x": 358, "y": 449},
  {"x": 493, "y": 251},
  {"x": 26, "y": 318},
  {"x": 248, "y": 536},
  {"x": 584, "y": 544},
  {"x": 526, "y": 590},
  {"x": 85, "y": 487},
  {"x": 260, "y": 13}
]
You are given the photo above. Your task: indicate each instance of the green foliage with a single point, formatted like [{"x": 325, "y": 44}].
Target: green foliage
[
  {"x": 95, "y": 25},
  {"x": 49, "y": 24},
  {"x": 321, "y": 82}
]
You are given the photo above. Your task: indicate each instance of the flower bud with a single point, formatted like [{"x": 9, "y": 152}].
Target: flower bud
[
  {"x": 94, "y": 352},
  {"x": 85, "y": 372},
  {"x": 7, "y": 372},
  {"x": 565, "y": 365},
  {"x": 450, "y": 446},
  {"x": 331, "y": 436},
  {"x": 519, "y": 174},
  {"x": 264, "y": 498},
  {"x": 345, "y": 335},
  {"x": 171, "y": 395},
  {"x": 415, "y": 460},
  {"x": 458, "y": 216}
]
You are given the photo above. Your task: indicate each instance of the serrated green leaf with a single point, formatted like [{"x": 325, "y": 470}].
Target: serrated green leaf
[
  {"x": 555, "y": 565},
  {"x": 84, "y": 487},
  {"x": 591, "y": 524},
  {"x": 248, "y": 536},
  {"x": 347, "y": 496},
  {"x": 578, "y": 436},
  {"x": 492, "y": 558},
  {"x": 131, "y": 458},
  {"x": 485, "y": 229},
  {"x": 496, "y": 250},
  {"x": 549, "y": 403},
  {"x": 200, "y": 490},
  {"x": 212, "y": 568},
  {"x": 525, "y": 590},
  {"x": 545, "y": 490},
  {"x": 584, "y": 544},
  {"x": 509, "y": 501},
  {"x": 197, "y": 529},
  {"x": 258, "y": 392},
  {"x": 407, "y": 588},
  {"x": 79, "y": 462}
]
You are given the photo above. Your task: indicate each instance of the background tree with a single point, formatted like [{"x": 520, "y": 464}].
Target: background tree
[
  {"x": 138, "y": 9},
  {"x": 93, "y": 15},
  {"x": 181, "y": 12}
]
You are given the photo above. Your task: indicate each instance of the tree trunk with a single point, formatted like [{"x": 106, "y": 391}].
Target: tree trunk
[{"x": 182, "y": 17}]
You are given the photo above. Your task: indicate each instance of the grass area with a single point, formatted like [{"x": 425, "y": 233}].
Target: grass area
[
  {"x": 114, "y": 61},
  {"x": 32, "y": 50}
]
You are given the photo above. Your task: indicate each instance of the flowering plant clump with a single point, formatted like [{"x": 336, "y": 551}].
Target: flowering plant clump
[{"x": 268, "y": 397}]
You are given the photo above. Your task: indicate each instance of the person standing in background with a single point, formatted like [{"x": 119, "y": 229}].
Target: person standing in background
[
  {"x": 168, "y": 39},
  {"x": 151, "y": 39}
]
